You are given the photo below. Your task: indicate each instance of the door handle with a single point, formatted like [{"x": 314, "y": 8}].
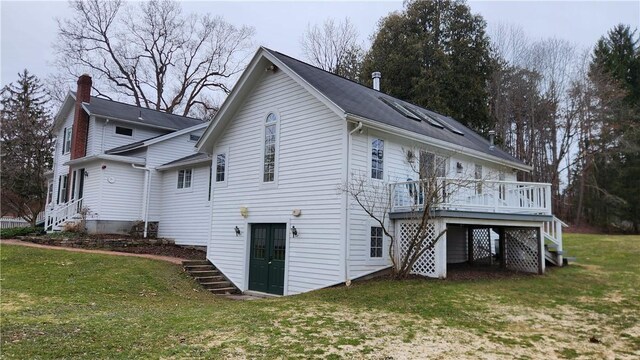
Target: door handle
[{"x": 269, "y": 263}]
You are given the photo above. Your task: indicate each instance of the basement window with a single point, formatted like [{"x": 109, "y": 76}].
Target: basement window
[
  {"x": 376, "y": 242},
  {"x": 124, "y": 131}
]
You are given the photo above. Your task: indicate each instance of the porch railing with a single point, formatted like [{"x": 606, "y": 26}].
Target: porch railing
[
  {"x": 472, "y": 195},
  {"x": 59, "y": 215}
]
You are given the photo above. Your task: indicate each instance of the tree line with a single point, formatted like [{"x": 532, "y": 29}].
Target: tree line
[{"x": 571, "y": 114}]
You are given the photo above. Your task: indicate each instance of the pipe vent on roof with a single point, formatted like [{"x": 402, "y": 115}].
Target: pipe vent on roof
[{"x": 376, "y": 80}]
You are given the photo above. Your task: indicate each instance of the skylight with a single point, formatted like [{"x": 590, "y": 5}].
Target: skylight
[
  {"x": 400, "y": 108},
  {"x": 418, "y": 114},
  {"x": 443, "y": 123}
]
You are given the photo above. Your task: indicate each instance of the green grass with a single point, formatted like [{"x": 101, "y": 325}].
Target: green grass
[{"x": 57, "y": 304}]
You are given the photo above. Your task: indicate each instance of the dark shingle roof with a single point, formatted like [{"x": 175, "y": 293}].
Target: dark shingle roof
[
  {"x": 117, "y": 110},
  {"x": 363, "y": 101},
  {"x": 188, "y": 159},
  {"x": 131, "y": 146}
]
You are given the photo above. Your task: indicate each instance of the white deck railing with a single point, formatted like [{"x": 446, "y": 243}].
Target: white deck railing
[
  {"x": 473, "y": 195},
  {"x": 59, "y": 215}
]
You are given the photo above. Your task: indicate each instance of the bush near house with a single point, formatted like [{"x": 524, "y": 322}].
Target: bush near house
[
  {"x": 21, "y": 231},
  {"x": 58, "y": 304}
]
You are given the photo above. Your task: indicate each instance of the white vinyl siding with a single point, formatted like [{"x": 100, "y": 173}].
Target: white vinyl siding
[
  {"x": 185, "y": 216},
  {"x": 309, "y": 168}
]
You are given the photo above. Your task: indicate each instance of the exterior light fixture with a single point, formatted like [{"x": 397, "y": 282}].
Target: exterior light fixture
[
  {"x": 237, "y": 231},
  {"x": 294, "y": 231}
]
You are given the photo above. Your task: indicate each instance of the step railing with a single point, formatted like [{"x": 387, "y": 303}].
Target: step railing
[
  {"x": 552, "y": 232},
  {"x": 472, "y": 195},
  {"x": 63, "y": 213}
]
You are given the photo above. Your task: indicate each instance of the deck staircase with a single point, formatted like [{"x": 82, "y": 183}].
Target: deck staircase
[
  {"x": 57, "y": 218},
  {"x": 553, "y": 251},
  {"x": 209, "y": 277}
]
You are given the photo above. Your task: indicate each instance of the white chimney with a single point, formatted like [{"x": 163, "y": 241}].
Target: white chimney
[{"x": 376, "y": 80}]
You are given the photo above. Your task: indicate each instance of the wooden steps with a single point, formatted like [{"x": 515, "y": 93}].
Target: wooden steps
[{"x": 210, "y": 278}]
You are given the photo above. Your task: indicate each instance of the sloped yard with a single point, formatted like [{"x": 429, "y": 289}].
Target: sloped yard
[{"x": 58, "y": 304}]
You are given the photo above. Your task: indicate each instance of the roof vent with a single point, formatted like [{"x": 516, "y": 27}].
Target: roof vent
[
  {"x": 376, "y": 80},
  {"x": 492, "y": 139}
]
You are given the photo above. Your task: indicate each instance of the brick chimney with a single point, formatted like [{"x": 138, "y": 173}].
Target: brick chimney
[{"x": 80, "y": 130}]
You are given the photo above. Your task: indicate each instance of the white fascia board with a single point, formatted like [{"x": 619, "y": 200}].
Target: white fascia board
[
  {"x": 315, "y": 92},
  {"x": 115, "y": 158},
  {"x": 205, "y": 144},
  {"x": 174, "y": 134},
  {"x": 183, "y": 164},
  {"x": 435, "y": 142},
  {"x": 67, "y": 105}
]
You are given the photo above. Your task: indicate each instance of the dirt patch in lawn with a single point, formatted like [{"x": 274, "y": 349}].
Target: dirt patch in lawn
[
  {"x": 321, "y": 331},
  {"x": 165, "y": 250}
]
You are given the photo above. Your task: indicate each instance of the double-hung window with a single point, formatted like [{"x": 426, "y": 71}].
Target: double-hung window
[
  {"x": 375, "y": 249},
  {"x": 270, "y": 138},
  {"x": 66, "y": 141},
  {"x": 377, "y": 159},
  {"x": 184, "y": 178}
]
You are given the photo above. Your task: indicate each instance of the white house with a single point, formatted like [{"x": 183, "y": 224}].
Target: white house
[
  {"x": 261, "y": 188},
  {"x": 105, "y": 163},
  {"x": 290, "y": 134}
]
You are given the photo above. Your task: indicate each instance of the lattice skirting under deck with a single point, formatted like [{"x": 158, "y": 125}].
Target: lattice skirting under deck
[
  {"x": 481, "y": 242},
  {"x": 428, "y": 264},
  {"x": 522, "y": 249}
]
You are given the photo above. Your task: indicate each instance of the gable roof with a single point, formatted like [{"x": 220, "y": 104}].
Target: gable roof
[
  {"x": 154, "y": 140},
  {"x": 362, "y": 101},
  {"x": 127, "y": 113},
  {"x": 130, "y": 113},
  {"x": 356, "y": 102}
]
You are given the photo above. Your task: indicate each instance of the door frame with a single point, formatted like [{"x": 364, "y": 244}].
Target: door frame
[{"x": 247, "y": 247}]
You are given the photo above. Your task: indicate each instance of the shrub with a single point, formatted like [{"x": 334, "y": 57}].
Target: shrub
[{"x": 19, "y": 231}]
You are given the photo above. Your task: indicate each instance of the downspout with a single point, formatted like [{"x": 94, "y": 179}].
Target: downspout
[
  {"x": 106, "y": 121},
  {"x": 147, "y": 190},
  {"x": 347, "y": 280}
]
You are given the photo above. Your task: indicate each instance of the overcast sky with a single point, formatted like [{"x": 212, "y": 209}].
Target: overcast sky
[{"x": 28, "y": 27}]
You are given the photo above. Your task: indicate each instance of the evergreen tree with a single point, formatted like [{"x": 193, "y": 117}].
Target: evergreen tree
[
  {"x": 615, "y": 149},
  {"x": 25, "y": 146},
  {"x": 435, "y": 54}
]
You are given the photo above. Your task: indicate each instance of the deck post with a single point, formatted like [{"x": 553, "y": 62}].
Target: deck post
[
  {"x": 540, "y": 250},
  {"x": 470, "y": 244},
  {"x": 502, "y": 241}
]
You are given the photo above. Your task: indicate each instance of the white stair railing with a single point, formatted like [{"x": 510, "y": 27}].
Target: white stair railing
[
  {"x": 63, "y": 213},
  {"x": 552, "y": 231}
]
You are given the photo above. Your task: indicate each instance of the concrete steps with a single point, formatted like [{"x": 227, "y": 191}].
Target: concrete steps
[{"x": 210, "y": 278}]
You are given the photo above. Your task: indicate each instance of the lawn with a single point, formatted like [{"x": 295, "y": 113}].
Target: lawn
[{"x": 57, "y": 304}]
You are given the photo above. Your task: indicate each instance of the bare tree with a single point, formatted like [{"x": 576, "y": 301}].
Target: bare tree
[
  {"x": 417, "y": 198},
  {"x": 151, "y": 53},
  {"x": 334, "y": 47}
]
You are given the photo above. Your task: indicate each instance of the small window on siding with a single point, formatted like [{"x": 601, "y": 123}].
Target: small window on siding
[
  {"x": 124, "y": 131},
  {"x": 66, "y": 143},
  {"x": 478, "y": 176},
  {"x": 377, "y": 158},
  {"x": 194, "y": 137},
  {"x": 184, "y": 179},
  {"x": 270, "y": 138},
  {"x": 221, "y": 166},
  {"x": 376, "y": 242}
]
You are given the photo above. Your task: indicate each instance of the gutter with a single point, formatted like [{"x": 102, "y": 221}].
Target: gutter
[
  {"x": 147, "y": 191},
  {"x": 347, "y": 280},
  {"x": 115, "y": 158},
  {"x": 438, "y": 143}
]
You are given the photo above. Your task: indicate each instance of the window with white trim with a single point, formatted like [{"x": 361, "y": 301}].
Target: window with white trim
[
  {"x": 221, "y": 167},
  {"x": 478, "y": 176},
  {"x": 124, "y": 131},
  {"x": 50, "y": 192},
  {"x": 63, "y": 189},
  {"x": 376, "y": 242},
  {"x": 66, "y": 142},
  {"x": 194, "y": 137},
  {"x": 184, "y": 178},
  {"x": 270, "y": 137},
  {"x": 377, "y": 159}
]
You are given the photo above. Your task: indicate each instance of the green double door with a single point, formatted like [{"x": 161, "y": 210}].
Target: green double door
[{"x": 266, "y": 262}]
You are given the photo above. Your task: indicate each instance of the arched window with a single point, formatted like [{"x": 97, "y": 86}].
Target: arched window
[{"x": 270, "y": 136}]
